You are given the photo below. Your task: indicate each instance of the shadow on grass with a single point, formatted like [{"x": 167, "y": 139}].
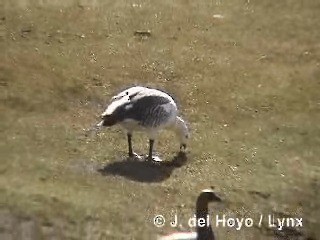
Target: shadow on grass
[{"x": 144, "y": 171}]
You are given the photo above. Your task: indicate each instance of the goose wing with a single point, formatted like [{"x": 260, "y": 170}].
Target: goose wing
[{"x": 148, "y": 108}]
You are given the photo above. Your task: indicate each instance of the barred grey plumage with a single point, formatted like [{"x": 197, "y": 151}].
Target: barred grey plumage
[{"x": 145, "y": 109}]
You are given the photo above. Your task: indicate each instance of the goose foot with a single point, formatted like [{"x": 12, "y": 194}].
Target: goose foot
[
  {"x": 135, "y": 156},
  {"x": 154, "y": 159}
]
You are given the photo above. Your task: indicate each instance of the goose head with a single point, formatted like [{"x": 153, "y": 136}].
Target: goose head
[
  {"x": 206, "y": 196},
  {"x": 182, "y": 132},
  {"x": 203, "y": 233}
]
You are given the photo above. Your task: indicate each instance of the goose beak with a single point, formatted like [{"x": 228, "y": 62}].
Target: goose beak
[
  {"x": 100, "y": 124},
  {"x": 216, "y": 198}
]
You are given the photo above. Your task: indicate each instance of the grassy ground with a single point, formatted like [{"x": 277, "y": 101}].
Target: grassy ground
[{"x": 248, "y": 85}]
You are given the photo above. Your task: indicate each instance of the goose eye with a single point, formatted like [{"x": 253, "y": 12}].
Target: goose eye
[{"x": 187, "y": 136}]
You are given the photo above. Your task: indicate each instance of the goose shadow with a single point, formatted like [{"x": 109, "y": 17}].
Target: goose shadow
[{"x": 144, "y": 171}]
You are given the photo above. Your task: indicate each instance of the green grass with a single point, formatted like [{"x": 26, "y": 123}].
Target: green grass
[{"x": 247, "y": 84}]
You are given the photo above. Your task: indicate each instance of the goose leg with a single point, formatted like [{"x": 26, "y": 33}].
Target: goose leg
[
  {"x": 150, "y": 156},
  {"x": 129, "y": 135},
  {"x": 151, "y": 142},
  {"x": 132, "y": 154}
]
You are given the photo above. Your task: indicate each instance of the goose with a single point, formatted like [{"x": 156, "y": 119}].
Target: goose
[
  {"x": 202, "y": 233},
  {"x": 148, "y": 110}
]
